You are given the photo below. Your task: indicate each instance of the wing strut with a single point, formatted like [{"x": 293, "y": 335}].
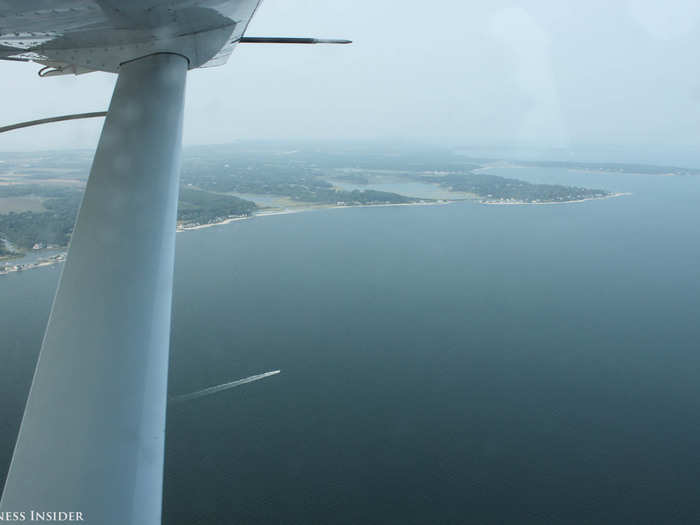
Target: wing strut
[{"x": 93, "y": 430}]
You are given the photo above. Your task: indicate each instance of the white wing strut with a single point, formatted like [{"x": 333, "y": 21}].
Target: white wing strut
[{"x": 92, "y": 435}]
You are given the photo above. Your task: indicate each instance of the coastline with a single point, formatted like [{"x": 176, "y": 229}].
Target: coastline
[
  {"x": 6, "y": 268},
  {"x": 524, "y": 203},
  {"x": 60, "y": 257},
  {"x": 301, "y": 209}
]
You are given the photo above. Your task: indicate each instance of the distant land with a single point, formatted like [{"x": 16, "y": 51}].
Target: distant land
[
  {"x": 40, "y": 192},
  {"x": 642, "y": 169}
]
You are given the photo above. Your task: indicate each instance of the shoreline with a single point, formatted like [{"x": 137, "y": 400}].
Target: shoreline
[
  {"x": 60, "y": 257},
  {"x": 301, "y": 209},
  {"x": 523, "y": 203},
  {"x": 41, "y": 263}
]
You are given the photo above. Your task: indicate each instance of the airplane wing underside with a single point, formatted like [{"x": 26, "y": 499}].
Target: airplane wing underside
[{"x": 98, "y": 35}]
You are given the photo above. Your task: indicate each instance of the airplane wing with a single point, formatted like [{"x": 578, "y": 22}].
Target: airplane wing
[
  {"x": 101, "y": 35},
  {"x": 93, "y": 430}
]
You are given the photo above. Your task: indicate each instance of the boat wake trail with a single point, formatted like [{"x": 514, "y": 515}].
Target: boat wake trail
[{"x": 221, "y": 388}]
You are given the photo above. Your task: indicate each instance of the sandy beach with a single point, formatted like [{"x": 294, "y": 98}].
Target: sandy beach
[{"x": 300, "y": 209}]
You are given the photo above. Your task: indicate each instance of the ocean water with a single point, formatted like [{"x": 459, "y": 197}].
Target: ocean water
[{"x": 440, "y": 364}]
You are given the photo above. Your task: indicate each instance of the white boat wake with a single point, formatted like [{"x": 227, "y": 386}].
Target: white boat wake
[{"x": 221, "y": 388}]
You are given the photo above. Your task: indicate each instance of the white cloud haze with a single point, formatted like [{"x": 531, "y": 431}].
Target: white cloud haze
[{"x": 543, "y": 73}]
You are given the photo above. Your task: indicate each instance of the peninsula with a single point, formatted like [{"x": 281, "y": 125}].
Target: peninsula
[{"x": 40, "y": 193}]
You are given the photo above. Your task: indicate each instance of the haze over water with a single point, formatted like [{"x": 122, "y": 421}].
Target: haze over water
[{"x": 440, "y": 364}]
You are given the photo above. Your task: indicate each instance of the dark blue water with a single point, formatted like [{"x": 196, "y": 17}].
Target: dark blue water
[{"x": 440, "y": 364}]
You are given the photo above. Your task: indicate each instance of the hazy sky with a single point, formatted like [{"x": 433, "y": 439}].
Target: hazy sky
[{"x": 544, "y": 73}]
